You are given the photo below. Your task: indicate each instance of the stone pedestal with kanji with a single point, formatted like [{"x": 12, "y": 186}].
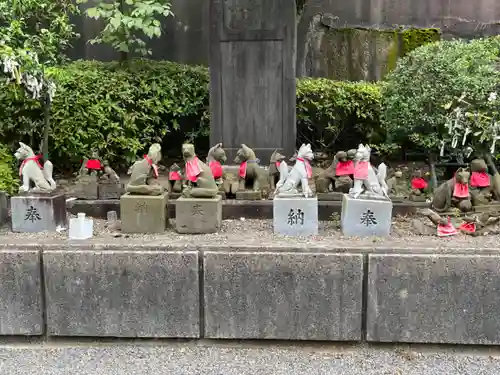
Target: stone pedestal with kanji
[
  {"x": 198, "y": 215},
  {"x": 295, "y": 216},
  {"x": 364, "y": 217},
  {"x": 144, "y": 213},
  {"x": 38, "y": 212}
]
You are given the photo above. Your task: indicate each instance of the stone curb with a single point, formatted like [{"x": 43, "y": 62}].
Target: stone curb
[
  {"x": 233, "y": 209},
  {"x": 252, "y": 293}
]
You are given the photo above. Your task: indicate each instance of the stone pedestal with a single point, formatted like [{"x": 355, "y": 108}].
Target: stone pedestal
[
  {"x": 144, "y": 213},
  {"x": 295, "y": 216},
  {"x": 86, "y": 188},
  {"x": 365, "y": 217},
  {"x": 331, "y": 196},
  {"x": 38, "y": 212},
  {"x": 248, "y": 195},
  {"x": 110, "y": 190},
  {"x": 197, "y": 216}
]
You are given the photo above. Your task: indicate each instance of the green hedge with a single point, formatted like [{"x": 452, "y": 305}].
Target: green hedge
[
  {"x": 120, "y": 109},
  {"x": 9, "y": 180}
]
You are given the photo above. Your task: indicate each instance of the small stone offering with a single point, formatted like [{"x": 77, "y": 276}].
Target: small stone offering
[{"x": 199, "y": 209}]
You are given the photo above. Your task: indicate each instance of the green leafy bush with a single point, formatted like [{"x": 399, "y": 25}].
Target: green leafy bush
[
  {"x": 340, "y": 114},
  {"x": 430, "y": 77},
  {"x": 9, "y": 181},
  {"x": 120, "y": 109}
]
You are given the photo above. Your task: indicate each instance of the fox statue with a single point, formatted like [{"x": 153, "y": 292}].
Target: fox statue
[
  {"x": 367, "y": 181},
  {"x": 32, "y": 171}
]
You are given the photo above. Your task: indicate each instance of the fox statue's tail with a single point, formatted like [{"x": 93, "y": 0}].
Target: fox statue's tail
[
  {"x": 381, "y": 175},
  {"x": 47, "y": 173}
]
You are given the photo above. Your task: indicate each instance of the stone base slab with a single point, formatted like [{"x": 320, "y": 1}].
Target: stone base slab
[
  {"x": 248, "y": 195},
  {"x": 110, "y": 190},
  {"x": 122, "y": 294},
  {"x": 365, "y": 217},
  {"x": 197, "y": 215},
  {"x": 291, "y": 296},
  {"x": 38, "y": 213},
  {"x": 144, "y": 213},
  {"x": 21, "y": 308}
]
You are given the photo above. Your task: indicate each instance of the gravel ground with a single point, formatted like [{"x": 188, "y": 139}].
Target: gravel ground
[
  {"x": 234, "y": 359},
  {"x": 260, "y": 233}
]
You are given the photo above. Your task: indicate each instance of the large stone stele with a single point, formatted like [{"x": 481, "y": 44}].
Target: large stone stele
[
  {"x": 38, "y": 212},
  {"x": 198, "y": 215},
  {"x": 364, "y": 217},
  {"x": 295, "y": 216},
  {"x": 144, "y": 213}
]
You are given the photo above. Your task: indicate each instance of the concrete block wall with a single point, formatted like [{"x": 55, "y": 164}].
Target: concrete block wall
[{"x": 376, "y": 295}]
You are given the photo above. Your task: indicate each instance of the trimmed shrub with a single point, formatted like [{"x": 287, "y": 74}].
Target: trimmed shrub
[
  {"x": 430, "y": 77},
  {"x": 120, "y": 109},
  {"x": 9, "y": 182},
  {"x": 333, "y": 114}
]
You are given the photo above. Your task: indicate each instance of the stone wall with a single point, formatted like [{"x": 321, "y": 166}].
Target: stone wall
[
  {"x": 327, "y": 294},
  {"x": 321, "y": 49}
]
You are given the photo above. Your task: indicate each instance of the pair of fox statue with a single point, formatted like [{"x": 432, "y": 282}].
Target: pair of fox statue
[{"x": 203, "y": 180}]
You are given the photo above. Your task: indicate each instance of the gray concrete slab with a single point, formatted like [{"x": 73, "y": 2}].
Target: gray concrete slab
[
  {"x": 291, "y": 296},
  {"x": 451, "y": 299},
  {"x": 122, "y": 293},
  {"x": 21, "y": 311}
]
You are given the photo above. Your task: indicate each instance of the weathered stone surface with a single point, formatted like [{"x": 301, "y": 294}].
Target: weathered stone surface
[
  {"x": 365, "y": 217},
  {"x": 434, "y": 299},
  {"x": 4, "y": 207},
  {"x": 110, "y": 190},
  {"x": 291, "y": 296},
  {"x": 144, "y": 213},
  {"x": 196, "y": 216},
  {"x": 38, "y": 213},
  {"x": 122, "y": 294},
  {"x": 20, "y": 293},
  {"x": 295, "y": 216},
  {"x": 250, "y": 41},
  {"x": 86, "y": 188},
  {"x": 248, "y": 195}
]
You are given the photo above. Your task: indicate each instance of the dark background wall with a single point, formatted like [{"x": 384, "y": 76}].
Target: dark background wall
[{"x": 321, "y": 51}]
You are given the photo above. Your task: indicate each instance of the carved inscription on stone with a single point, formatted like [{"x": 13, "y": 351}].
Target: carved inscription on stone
[{"x": 251, "y": 15}]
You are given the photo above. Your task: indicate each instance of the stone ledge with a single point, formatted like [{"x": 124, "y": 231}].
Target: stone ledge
[
  {"x": 442, "y": 299},
  {"x": 21, "y": 310},
  {"x": 291, "y": 296},
  {"x": 233, "y": 209},
  {"x": 122, "y": 294}
]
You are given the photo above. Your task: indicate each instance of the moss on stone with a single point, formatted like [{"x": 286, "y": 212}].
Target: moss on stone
[{"x": 414, "y": 38}]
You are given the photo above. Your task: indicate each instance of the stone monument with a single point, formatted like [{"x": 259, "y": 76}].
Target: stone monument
[
  {"x": 248, "y": 174},
  {"x": 252, "y": 75},
  {"x": 337, "y": 179},
  {"x": 367, "y": 208},
  {"x": 453, "y": 193},
  {"x": 296, "y": 213},
  {"x": 144, "y": 205},
  {"x": 199, "y": 209},
  {"x": 38, "y": 207},
  {"x": 276, "y": 165}
]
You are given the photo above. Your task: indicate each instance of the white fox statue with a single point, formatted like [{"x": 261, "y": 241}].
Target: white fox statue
[
  {"x": 32, "y": 170},
  {"x": 367, "y": 181}
]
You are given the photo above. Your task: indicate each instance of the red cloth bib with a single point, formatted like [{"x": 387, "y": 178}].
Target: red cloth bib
[
  {"x": 468, "y": 227},
  {"x": 418, "y": 183},
  {"x": 344, "y": 168},
  {"x": 479, "y": 179},
  {"x": 34, "y": 158},
  {"x": 93, "y": 164},
  {"x": 307, "y": 165},
  {"x": 243, "y": 169},
  {"x": 461, "y": 190},
  {"x": 154, "y": 166},
  {"x": 361, "y": 170},
  {"x": 174, "y": 176},
  {"x": 216, "y": 169},
  {"x": 193, "y": 169},
  {"x": 278, "y": 163}
]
